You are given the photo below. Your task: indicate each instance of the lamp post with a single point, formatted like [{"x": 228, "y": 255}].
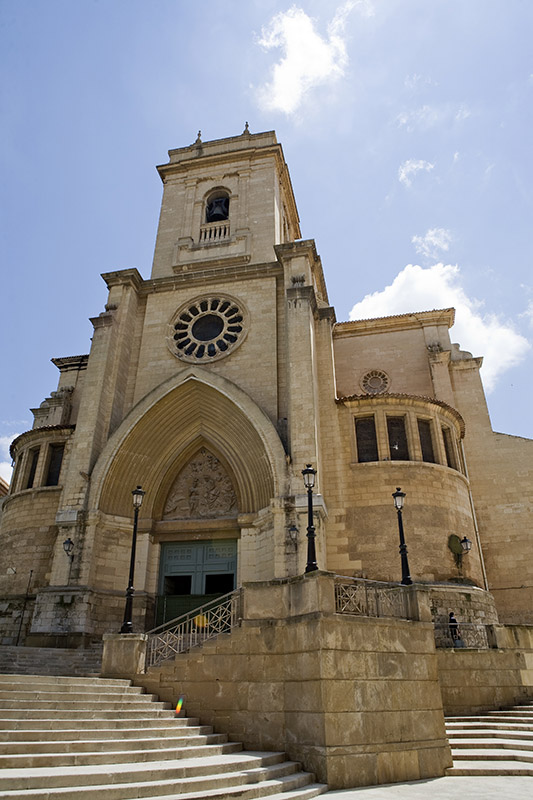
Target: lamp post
[
  {"x": 127, "y": 625},
  {"x": 399, "y": 497},
  {"x": 68, "y": 547},
  {"x": 309, "y": 482}
]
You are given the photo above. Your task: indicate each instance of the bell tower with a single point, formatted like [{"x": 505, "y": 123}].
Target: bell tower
[{"x": 225, "y": 202}]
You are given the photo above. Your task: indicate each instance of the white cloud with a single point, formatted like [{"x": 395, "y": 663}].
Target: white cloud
[
  {"x": 435, "y": 241},
  {"x": 528, "y": 313},
  {"x": 439, "y": 286},
  {"x": 409, "y": 168},
  {"x": 415, "y": 81},
  {"x": 428, "y": 116},
  {"x": 308, "y": 60},
  {"x": 463, "y": 112}
]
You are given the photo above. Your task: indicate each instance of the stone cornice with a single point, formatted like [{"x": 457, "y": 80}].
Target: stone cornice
[
  {"x": 66, "y": 363},
  {"x": 420, "y": 319},
  {"x": 124, "y": 277},
  {"x": 35, "y": 433},
  {"x": 201, "y": 275},
  {"x": 210, "y": 275},
  {"x": 219, "y": 158},
  {"x": 467, "y": 363},
  {"x": 243, "y": 141}
]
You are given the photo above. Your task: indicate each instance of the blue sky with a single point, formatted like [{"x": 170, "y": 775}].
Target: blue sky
[{"x": 406, "y": 125}]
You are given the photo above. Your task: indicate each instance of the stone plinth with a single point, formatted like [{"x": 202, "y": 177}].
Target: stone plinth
[
  {"x": 355, "y": 699},
  {"x": 124, "y": 654}
]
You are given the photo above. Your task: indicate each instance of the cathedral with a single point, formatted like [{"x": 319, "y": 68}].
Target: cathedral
[{"x": 212, "y": 384}]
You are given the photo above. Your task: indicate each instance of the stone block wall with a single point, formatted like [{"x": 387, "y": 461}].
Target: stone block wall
[
  {"x": 469, "y": 604},
  {"x": 475, "y": 681},
  {"x": 355, "y": 699}
]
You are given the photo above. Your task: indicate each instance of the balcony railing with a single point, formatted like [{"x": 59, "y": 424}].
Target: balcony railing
[
  {"x": 213, "y": 232},
  {"x": 194, "y": 628},
  {"x": 371, "y": 598}
]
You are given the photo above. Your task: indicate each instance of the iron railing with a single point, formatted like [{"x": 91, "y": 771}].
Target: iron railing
[
  {"x": 371, "y": 598},
  {"x": 470, "y": 635},
  {"x": 194, "y": 628}
]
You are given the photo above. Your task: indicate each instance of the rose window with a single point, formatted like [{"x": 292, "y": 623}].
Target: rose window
[
  {"x": 375, "y": 382},
  {"x": 207, "y": 329}
]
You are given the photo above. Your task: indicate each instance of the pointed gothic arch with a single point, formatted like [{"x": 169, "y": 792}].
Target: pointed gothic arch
[{"x": 166, "y": 427}]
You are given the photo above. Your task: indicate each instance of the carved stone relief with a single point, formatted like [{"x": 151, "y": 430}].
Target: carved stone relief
[{"x": 202, "y": 490}]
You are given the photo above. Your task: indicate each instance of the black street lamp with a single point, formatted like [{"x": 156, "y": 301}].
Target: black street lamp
[
  {"x": 68, "y": 547},
  {"x": 399, "y": 497},
  {"x": 127, "y": 625},
  {"x": 309, "y": 482}
]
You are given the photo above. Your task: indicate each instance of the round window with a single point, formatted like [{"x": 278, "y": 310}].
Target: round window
[
  {"x": 375, "y": 382},
  {"x": 207, "y": 328}
]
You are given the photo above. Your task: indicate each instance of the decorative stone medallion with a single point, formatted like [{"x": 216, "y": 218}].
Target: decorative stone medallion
[
  {"x": 202, "y": 490},
  {"x": 207, "y": 328},
  {"x": 375, "y": 382}
]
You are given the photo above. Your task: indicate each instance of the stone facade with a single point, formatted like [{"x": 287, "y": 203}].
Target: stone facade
[
  {"x": 212, "y": 384},
  {"x": 355, "y": 699}
]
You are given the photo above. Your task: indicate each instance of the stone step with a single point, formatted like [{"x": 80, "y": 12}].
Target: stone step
[
  {"x": 526, "y": 709},
  {"x": 25, "y": 747},
  {"x": 119, "y": 713},
  {"x": 111, "y": 756},
  {"x": 480, "y": 725},
  {"x": 62, "y": 689},
  {"x": 138, "y": 702},
  {"x": 475, "y": 735},
  {"x": 493, "y": 718},
  {"x": 490, "y": 768},
  {"x": 246, "y": 785},
  {"x": 492, "y": 743},
  {"x": 51, "y": 723},
  {"x": 496, "y": 754},
  {"x": 50, "y": 737},
  {"x": 66, "y": 681},
  {"x": 199, "y": 771},
  {"x": 72, "y": 739},
  {"x": 496, "y": 743},
  {"x": 50, "y": 661}
]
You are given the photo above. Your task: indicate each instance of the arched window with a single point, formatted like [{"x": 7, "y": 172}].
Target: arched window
[{"x": 217, "y": 207}]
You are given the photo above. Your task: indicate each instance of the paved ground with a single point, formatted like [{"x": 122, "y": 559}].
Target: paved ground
[{"x": 512, "y": 787}]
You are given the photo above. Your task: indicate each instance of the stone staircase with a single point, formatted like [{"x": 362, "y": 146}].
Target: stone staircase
[
  {"x": 497, "y": 743},
  {"x": 64, "y": 738},
  {"x": 50, "y": 660}
]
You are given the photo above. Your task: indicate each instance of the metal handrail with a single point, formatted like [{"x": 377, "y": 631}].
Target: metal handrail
[{"x": 193, "y": 628}]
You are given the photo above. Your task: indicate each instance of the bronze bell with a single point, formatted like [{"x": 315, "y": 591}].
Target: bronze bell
[{"x": 217, "y": 209}]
